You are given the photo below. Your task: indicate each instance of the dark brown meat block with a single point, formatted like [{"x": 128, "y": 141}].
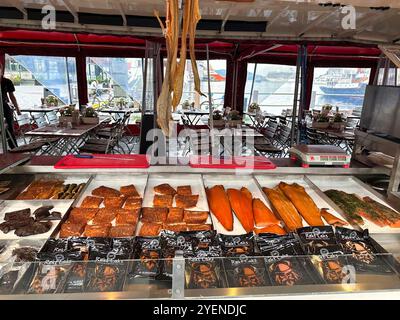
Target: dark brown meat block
[
  {"x": 7, "y": 226},
  {"x": 184, "y": 190},
  {"x": 105, "y": 192},
  {"x": 163, "y": 200},
  {"x": 165, "y": 189},
  {"x": 150, "y": 229},
  {"x": 91, "y": 202},
  {"x": 175, "y": 215},
  {"x": 15, "y": 215},
  {"x": 186, "y": 202},
  {"x": 157, "y": 215},
  {"x": 34, "y": 228}
]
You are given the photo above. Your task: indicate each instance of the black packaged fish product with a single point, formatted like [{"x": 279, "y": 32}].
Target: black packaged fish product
[
  {"x": 108, "y": 263},
  {"x": 267, "y": 241},
  {"x": 245, "y": 271},
  {"x": 105, "y": 276},
  {"x": 171, "y": 242},
  {"x": 205, "y": 269},
  {"x": 237, "y": 245},
  {"x": 333, "y": 265},
  {"x": 48, "y": 278},
  {"x": 58, "y": 250},
  {"x": 110, "y": 249},
  {"x": 199, "y": 239},
  {"x": 315, "y": 238},
  {"x": 361, "y": 252},
  {"x": 148, "y": 253},
  {"x": 8, "y": 280},
  {"x": 284, "y": 268},
  {"x": 75, "y": 281}
]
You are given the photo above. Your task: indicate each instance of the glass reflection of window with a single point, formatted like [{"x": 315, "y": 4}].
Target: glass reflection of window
[
  {"x": 273, "y": 87},
  {"x": 36, "y": 77},
  {"x": 341, "y": 87}
]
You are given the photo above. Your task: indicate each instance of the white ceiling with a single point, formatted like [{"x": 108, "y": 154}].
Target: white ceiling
[{"x": 287, "y": 19}]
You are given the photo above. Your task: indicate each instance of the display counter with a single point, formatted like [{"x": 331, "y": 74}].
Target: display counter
[{"x": 91, "y": 244}]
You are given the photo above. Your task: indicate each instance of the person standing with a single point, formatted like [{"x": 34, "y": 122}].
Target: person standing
[{"x": 7, "y": 91}]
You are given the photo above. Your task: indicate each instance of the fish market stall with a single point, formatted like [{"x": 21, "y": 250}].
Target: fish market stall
[
  {"x": 119, "y": 225},
  {"x": 174, "y": 232}
]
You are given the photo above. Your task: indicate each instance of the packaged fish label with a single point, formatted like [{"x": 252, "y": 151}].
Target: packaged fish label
[
  {"x": 201, "y": 239},
  {"x": 171, "y": 242},
  {"x": 56, "y": 251},
  {"x": 237, "y": 245},
  {"x": 148, "y": 252},
  {"x": 285, "y": 268},
  {"x": 267, "y": 241},
  {"x": 8, "y": 280},
  {"x": 178, "y": 241},
  {"x": 48, "y": 278},
  {"x": 113, "y": 250},
  {"x": 332, "y": 265},
  {"x": 105, "y": 277},
  {"x": 244, "y": 271},
  {"x": 75, "y": 282},
  {"x": 288, "y": 271},
  {"x": 361, "y": 253},
  {"x": 315, "y": 238}
]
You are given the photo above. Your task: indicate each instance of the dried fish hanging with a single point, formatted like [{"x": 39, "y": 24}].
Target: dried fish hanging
[{"x": 172, "y": 88}]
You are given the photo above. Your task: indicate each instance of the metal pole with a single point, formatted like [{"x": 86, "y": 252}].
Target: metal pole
[
  {"x": 2, "y": 125},
  {"x": 303, "y": 93},
  {"x": 144, "y": 80},
  {"x": 296, "y": 93},
  {"x": 252, "y": 86},
  {"x": 386, "y": 73},
  {"x": 209, "y": 89},
  {"x": 68, "y": 81}
]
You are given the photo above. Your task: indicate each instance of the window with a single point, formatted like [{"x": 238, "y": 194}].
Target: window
[
  {"x": 341, "y": 87},
  {"x": 115, "y": 79},
  {"x": 217, "y": 82},
  {"x": 273, "y": 87},
  {"x": 36, "y": 77}
]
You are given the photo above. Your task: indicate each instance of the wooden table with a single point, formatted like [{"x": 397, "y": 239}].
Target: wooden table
[{"x": 69, "y": 139}]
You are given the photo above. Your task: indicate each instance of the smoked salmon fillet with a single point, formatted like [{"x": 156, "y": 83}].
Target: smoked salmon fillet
[
  {"x": 331, "y": 219},
  {"x": 304, "y": 204},
  {"x": 285, "y": 209},
  {"x": 242, "y": 206},
  {"x": 275, "y": 229},
  {"x": 263, "y": 216},
  {"x": 219, "y": 204}
]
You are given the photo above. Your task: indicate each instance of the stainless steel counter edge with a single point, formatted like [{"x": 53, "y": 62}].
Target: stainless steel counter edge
[{"x": 188, "y": 169}]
